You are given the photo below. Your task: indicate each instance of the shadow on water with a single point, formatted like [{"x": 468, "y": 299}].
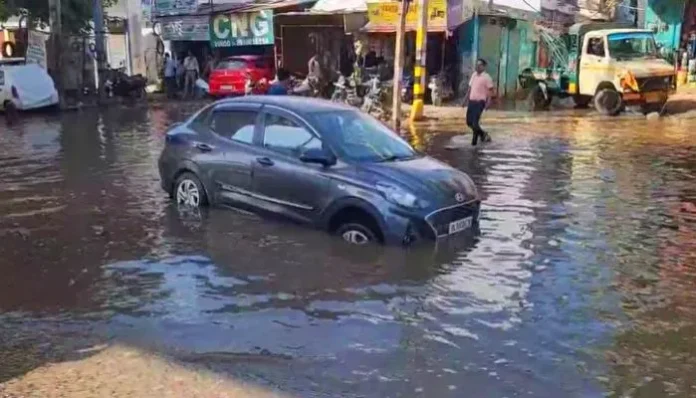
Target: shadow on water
[{"x": 578, "y": 283}]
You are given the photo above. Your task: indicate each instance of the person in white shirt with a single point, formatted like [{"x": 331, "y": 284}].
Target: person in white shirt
[
  {"x": 479, "y": 98},
  {"x": 169, "y": 75},
  {"x": 191, "y": 73}
]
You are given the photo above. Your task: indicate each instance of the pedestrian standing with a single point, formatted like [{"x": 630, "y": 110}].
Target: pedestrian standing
[
  {"x": 479, "y": 97},
  {"x": 180, "y": 72},
  {"x": 169, "y": 75},
  {"x": 192, "y": 71}
]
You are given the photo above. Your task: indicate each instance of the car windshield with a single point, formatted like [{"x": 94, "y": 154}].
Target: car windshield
[
  {"x": 231, "y": 64},
  {"x": 361, "y": 138},
  {"x": 632, "y": 45}
]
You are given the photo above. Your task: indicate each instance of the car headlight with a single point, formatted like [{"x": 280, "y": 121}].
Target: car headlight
[{"x": 399, "y": 196}]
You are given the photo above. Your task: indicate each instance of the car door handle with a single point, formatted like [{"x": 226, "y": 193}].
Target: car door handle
[
  {"x": 204, "y": 147},
  {"x": 265, "y": 161}
]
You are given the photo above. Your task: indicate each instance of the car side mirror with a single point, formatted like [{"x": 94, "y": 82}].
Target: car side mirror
[{"x": 320, "y": 156}]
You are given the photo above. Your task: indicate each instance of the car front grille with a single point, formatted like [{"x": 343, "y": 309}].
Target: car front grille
[
  {"x": 439, "y": 220},
  {"x": 654, "y": 83}
]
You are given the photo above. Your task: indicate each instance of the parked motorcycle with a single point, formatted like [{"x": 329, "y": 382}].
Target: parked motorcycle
[
  {"x": 440, "y": 88},
  {"x": 252, "y": 87},
  {"x": 345, "y": 91},
  {"x": 374, "y": 100},
  {"x": 407, "y": 83},
  {"x": 122, "y": 85},
  {"x": 309, "y": 87}
]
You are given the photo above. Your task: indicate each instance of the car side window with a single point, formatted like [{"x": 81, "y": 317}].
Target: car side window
[
  {"x": 235, "y": 125},
  {"x": 200, "y": 123},
  {"x": 285, "y": 136},
  {"x": 595, "y": 46}
]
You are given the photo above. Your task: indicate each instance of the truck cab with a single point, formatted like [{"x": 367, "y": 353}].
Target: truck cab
[{"x": 617, "y": 66}]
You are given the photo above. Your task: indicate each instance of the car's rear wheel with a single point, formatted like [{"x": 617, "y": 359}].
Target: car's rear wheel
[
  {"x": 356, "y": 233},
  {"x": 188, "y": 191}
]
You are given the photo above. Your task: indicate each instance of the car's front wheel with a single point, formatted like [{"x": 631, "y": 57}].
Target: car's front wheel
[
  {"x": 357, "y": 234},
  {"x": 188, "y": 191}
]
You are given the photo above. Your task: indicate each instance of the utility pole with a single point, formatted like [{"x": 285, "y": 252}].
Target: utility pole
[
  {"x": 56, "y": 61},
  {"x": 399, "y": 65},
  {"x": 419, "y": 71},
  {"x": 98, "y": 20}
]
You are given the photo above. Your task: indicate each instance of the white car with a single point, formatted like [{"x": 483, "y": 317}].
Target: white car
[{"x": 26, "y": 87}]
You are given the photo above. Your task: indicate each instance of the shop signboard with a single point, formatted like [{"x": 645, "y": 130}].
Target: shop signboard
[
  {"x": 387, "y": 13},
  {"x": 173, "y": 7},
  {"x": 147, "y": 9},
  {"x": 36, "y": 48},
  {"x": 242, "y": 29},
  {"x": 185, "y": 28}
]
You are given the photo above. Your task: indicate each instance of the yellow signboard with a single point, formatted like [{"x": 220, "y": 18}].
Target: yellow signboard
[{"x": 387, "y": 13}]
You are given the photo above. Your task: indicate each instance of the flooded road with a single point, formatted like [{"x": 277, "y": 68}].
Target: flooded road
[{"x": 582, "y": 282}]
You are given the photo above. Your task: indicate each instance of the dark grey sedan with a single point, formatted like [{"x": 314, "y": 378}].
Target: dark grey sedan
[{"x": 319, "y": 163}]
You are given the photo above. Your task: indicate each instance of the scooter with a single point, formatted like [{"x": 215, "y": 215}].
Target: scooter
[{"x": 122, "y": 85}]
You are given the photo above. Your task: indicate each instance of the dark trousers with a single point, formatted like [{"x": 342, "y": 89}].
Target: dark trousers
[
  {"x": 473, "y": 117},
  {"x": 170, "y": 86}
]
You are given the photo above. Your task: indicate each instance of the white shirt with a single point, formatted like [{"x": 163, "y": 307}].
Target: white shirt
[{"x": 191, "y": 64}]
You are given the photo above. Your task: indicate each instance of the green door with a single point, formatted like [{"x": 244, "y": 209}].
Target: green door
[
  {"x": 513, "y": 62},
  {"x": 489, "y": 48}
]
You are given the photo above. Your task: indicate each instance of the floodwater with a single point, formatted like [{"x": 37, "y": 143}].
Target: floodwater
[{"x": 581, "y": 283}]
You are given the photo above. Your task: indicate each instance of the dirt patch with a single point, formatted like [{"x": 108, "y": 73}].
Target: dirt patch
[{"x": 117, "y": 371}]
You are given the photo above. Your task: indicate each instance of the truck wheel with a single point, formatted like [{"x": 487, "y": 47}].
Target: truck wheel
[
  {"x": 582, "y": 101},
  {"x": 608, "y": 102},
  {"x": 537, "y": 100}
]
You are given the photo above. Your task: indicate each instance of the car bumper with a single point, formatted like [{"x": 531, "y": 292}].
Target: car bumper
[{"x": 406, "y": 228}]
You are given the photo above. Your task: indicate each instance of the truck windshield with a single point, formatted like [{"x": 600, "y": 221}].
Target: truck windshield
[{"x": 632, "y": 45}]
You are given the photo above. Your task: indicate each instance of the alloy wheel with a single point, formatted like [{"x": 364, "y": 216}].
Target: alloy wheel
[
  {"x": 188, "y": 194},
  {"x": 355, "y": 237}
]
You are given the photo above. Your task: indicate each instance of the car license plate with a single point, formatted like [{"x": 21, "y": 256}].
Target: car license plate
[
  {"x": 459, "y": 225},
  {"x": 653, "y": 97},
  {"x": 227, "y": 88}
]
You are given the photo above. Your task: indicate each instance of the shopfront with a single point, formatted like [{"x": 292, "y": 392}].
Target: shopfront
[{"x": 380, "y": 32}]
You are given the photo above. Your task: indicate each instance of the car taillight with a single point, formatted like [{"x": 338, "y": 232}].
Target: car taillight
[{"x": 15, "y": 94}]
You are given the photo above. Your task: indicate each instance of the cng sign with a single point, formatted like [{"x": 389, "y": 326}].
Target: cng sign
[{"x": 242, "y": 29}]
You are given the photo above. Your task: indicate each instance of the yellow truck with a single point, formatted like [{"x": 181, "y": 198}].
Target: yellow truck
[{"x": 611, "y": 67}]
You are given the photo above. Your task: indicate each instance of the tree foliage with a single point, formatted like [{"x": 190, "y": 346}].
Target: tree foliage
[{"x": 76, "y": 14}]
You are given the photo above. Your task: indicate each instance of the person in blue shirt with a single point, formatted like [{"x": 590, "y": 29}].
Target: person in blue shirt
[{"x": 282, "y": 84}]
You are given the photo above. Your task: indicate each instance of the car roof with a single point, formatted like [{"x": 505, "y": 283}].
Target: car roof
[
  {"x": 247, "y": 57},
  {"x": 296, "y": 104}
]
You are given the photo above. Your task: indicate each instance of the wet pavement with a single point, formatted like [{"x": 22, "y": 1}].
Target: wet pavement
[{"x": 580, "y": 284}]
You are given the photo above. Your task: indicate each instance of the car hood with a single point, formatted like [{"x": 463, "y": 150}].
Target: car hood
[{"x": 433, "y": 181}]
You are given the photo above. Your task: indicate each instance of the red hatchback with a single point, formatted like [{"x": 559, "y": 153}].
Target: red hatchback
[{"x": 230, "y": 74}]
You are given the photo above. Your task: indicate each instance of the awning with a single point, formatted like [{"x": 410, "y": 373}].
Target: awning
[
  {"x": 372, "y": 27},
  {"x": 340, "y": 6}
]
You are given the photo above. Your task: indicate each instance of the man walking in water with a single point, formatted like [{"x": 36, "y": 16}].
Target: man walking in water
[{"x": 479, "y": 97}]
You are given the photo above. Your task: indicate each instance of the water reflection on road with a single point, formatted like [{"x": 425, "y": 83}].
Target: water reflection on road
[{"x": 580, "y": 283}]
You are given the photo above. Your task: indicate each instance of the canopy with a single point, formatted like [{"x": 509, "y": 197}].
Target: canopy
[{"x": 339, "y": 6}]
